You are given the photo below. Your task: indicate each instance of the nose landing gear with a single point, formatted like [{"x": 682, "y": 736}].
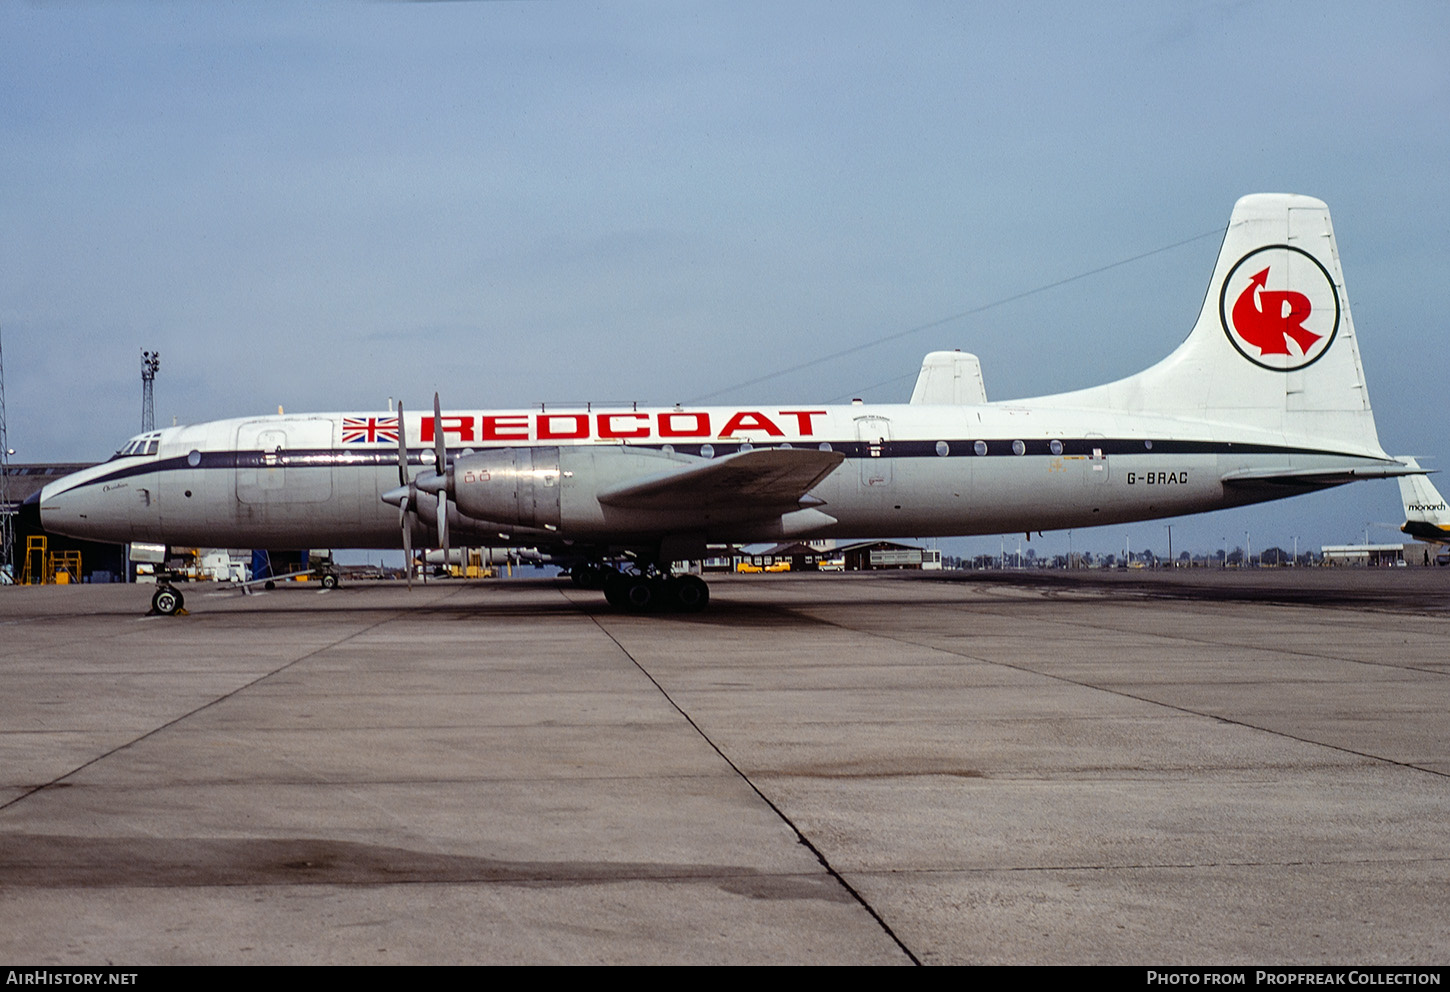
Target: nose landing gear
[{"x": 167, "y": 601}]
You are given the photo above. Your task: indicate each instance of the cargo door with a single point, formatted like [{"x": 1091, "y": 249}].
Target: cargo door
[{"x": 284, "y": 461}]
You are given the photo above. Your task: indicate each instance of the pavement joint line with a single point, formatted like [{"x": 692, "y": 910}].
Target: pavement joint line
[
  {"x": 189, "y": 714},
  {"x": 1134, "y": 696},
  {"x": 800, "y": 835}
]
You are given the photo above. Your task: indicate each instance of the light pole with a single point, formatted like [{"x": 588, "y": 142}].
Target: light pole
[{"x": 150, "y": 364}]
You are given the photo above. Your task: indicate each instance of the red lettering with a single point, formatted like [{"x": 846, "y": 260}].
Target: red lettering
[
  {"x": 462, "y": 426},
  {"x": 748, "y": 421},
  {"x": 547, "y": 431},
  {"x": 607, "y": 428},
  {"x": 803, "y": 420},
  {"x": 506, "y": 428},
  {"x": 701, "y": 426}
]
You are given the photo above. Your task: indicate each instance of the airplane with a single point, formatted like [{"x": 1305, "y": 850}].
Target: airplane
[
  {"x": 1427, "y": 518},
  {"x": 1264, "y": 399}
]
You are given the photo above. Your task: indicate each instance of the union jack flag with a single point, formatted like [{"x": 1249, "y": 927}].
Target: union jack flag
[{"x": 369, "y": 430}]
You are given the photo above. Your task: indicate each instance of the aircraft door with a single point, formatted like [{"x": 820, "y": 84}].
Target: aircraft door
[
  {"x": 286, "y": 461},
  {"x": 874, "y": 433}
]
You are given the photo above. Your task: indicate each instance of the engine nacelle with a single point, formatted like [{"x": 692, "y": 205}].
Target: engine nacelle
[
  {"x": 517, "y": 486},
  {"x": 557, "y": 488}
]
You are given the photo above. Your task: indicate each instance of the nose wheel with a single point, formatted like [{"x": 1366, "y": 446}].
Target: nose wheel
[{"x": 167, "y": 601}]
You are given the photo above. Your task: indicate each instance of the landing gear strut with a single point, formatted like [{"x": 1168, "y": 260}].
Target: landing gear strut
[{"x": 590, "y": 574}]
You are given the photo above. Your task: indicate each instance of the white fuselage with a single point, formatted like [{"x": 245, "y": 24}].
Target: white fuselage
[{"x": 909, "y": 471}]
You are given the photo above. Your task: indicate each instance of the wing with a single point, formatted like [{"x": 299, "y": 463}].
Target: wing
[{"x": 771, "y": 479}]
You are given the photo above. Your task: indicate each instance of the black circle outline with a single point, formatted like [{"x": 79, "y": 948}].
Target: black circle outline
[{"x": 1228, "y": 332}]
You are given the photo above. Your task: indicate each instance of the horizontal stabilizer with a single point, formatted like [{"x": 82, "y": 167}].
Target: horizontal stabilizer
[
  {"x": 767, "y": 478},
  {"x": 1316, "y": 478}
]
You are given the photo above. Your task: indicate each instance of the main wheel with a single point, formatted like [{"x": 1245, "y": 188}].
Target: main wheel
[
  {"x": 690, "y": 593},
  {"x": 615, "y": 585},
  {"x": 167, "y": 601},
  {"x": 640, "y": 594}
]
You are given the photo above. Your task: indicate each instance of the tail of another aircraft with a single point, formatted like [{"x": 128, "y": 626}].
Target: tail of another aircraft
[
  {"x": 1426, "y": 515},
  {"x": 1274, "y": 347}
]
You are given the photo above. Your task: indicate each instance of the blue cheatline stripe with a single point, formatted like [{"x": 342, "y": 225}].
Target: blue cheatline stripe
[{"x": 350, "y": 456}]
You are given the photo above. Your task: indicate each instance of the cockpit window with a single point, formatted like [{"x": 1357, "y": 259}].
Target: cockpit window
[{"x": 146, "y": 444}]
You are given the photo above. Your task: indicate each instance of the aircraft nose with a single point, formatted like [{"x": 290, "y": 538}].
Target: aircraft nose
[
  {"x": 58, "y": 511},
  {"x": 80, "y": 507}
]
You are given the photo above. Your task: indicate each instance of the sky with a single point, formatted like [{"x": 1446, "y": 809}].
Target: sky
[{"x": 324, "y": 205}]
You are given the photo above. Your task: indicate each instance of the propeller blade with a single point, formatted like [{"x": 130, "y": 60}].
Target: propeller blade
[
  {"x": 440, "y": 468},
  {"x": 443, "y": 523},
  {"x": 407, "y": 539},
  {"x": 440, "y": 451},
  {"x": 402, "y": 449}
]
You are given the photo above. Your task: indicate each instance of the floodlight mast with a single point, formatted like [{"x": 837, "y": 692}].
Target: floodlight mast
[{"x": 150, "y": 363}]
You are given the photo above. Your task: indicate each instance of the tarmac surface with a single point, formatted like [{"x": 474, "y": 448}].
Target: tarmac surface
[{"x": 1041, "y": 768}]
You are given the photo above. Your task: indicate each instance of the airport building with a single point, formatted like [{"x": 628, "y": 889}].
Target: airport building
[
  {"x": 1384, "y": 555},
  {"x": 873, "y": 555}
]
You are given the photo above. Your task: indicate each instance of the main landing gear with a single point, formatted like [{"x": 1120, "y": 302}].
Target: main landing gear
[{"x": 643, "y": 592}]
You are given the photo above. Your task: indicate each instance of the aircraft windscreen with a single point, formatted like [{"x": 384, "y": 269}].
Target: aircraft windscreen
[{"x": 146, "y": 444}]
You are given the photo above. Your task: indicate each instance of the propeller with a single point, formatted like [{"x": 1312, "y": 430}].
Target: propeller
[{"x": 436, "y": 482}]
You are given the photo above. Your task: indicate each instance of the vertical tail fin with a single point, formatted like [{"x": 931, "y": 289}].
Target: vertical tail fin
[
  {"x": 1274, "y": 347},
  {"x": 1426, "y": 515}
]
